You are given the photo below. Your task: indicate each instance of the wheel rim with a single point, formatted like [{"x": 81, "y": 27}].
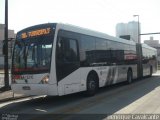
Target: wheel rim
[{"x": 92, "y": 85}]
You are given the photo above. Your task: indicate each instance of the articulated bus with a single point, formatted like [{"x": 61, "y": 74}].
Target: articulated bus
[{"x": 58, "y": 59}]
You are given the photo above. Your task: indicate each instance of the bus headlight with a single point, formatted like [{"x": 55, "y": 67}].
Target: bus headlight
[{"x": 45, "y": 79}]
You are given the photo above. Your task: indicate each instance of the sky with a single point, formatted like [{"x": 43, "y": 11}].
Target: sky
[{"x": 99, "y": 15}]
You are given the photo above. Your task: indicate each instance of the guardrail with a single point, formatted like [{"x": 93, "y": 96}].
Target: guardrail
[
  {"x": 158, "y": 67},
  {"x": 2, "y": 78}
]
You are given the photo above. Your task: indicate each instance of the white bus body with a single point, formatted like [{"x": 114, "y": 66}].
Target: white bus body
[{"x": 79, "y": 60}]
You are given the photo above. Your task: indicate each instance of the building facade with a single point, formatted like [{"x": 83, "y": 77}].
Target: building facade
[
  {"x": 11, "y": 37},
  {"x": 130, "y": 28}
]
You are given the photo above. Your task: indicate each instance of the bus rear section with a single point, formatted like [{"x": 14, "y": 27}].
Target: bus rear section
[
  {"x": 31, "y": 61},
  {"x": 147, "y": 60}
]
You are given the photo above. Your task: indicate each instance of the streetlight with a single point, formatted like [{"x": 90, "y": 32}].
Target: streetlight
[
  {"x": 138, "y": 28},
  {"x": 139, "y": 46},
  {"x": 6, "y": 77}
]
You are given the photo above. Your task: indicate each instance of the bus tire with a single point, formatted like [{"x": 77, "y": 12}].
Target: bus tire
[
  {"x": 151, "y": 71},
  {"x": 92, "y": 85},
  {"x": 129, "y": 76}
]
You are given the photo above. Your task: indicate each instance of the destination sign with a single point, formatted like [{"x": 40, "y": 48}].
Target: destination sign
[{"x": 35, "y": 33}]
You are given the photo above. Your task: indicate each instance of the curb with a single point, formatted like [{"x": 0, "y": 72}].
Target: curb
[{"x": 12, "y": 98}]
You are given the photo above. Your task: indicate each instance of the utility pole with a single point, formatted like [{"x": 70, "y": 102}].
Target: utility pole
[
  {"x": 139, "y": 40},
  {"x": 6, "y": 77}
]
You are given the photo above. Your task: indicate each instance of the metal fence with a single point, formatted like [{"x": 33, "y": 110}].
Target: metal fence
[
  {"x": 2, "y": 78},
  {"x": 10, "y": 48}
]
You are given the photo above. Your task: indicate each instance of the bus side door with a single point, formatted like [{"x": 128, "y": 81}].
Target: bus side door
[{"x": 67, "y": 64}]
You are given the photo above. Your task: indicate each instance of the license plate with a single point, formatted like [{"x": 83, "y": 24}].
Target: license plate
[{"x": 26, "y": 88}]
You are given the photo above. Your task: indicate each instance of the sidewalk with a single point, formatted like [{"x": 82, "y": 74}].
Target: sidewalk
[{"x": 9, "y": 95}]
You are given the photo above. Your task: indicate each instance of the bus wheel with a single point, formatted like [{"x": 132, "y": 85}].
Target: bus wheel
[
  {"x": 92, "y": 85},
  {"x": 151, "y": 71},
  {"x": 129, "y": 77}
]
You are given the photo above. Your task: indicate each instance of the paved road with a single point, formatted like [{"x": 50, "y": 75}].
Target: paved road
[{"x": 141, "y": 97}]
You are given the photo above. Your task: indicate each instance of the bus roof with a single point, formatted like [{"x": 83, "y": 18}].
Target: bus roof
[
  {"x": 89, "y": 32},
  {"x": 148, "y": 47},
  {"x": 73, "y": 28}
]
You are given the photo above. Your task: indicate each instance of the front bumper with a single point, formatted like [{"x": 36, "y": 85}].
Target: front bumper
[{"x": 35, "y": 89}]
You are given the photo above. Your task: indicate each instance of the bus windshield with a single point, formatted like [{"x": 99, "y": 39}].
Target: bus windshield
[{"x": 32, "y": 55}]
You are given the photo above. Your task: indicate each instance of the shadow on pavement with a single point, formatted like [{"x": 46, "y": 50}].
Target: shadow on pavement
[{"x": 107, "y": 101}]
